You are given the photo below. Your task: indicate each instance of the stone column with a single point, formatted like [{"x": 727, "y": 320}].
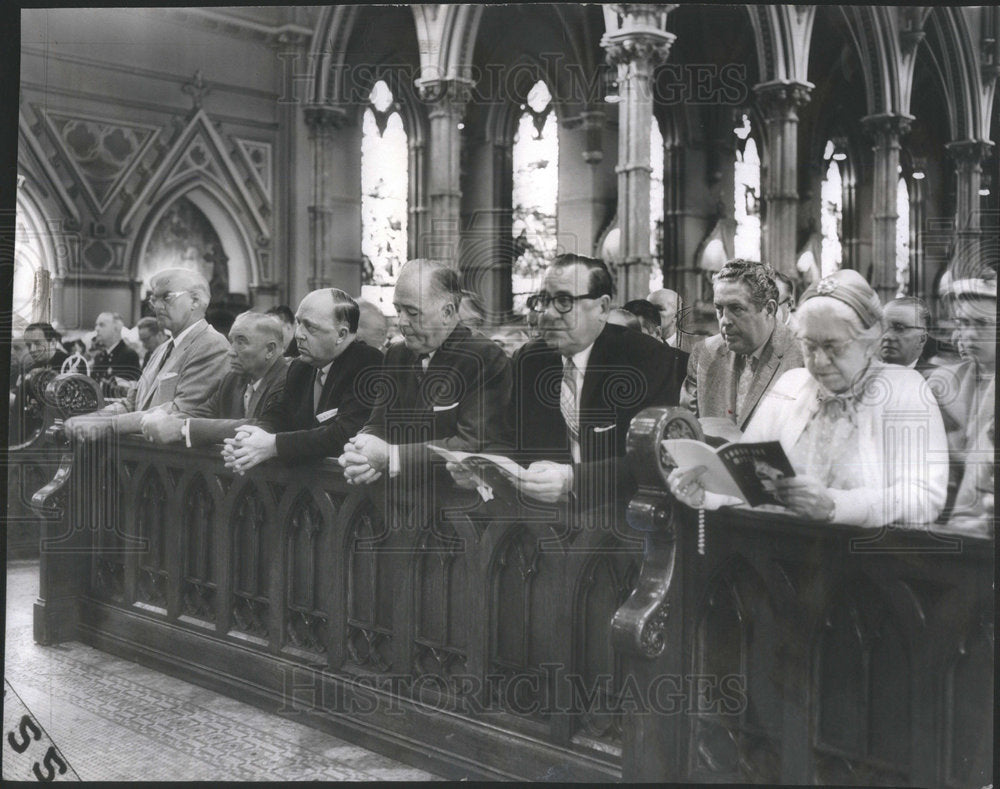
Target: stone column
[
  {"x": 334, "y": 217},
  {"x": 635, "y": 47},
  {"x": 885, "y": 131},
  {"x": 779, "y": 103},
  {"x": 968, "y": 156},
  {"x": 446, "y": 99}
]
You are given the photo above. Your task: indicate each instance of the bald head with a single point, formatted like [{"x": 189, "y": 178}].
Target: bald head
[
  {"x": 669, "y": 304},
  {"x": 426, "y": 299},
  {"x": 327, "y": 323}
]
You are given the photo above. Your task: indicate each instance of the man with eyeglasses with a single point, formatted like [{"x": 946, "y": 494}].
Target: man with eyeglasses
[
  {"x": 904, "y": 334},
  {"x": 729, "y": 373},
  {"x": 578, "y": 386},
  {"x": 181, "y": 373}
]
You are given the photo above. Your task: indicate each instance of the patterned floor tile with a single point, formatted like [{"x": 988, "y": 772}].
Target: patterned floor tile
[{"x": 116, "y": 720}]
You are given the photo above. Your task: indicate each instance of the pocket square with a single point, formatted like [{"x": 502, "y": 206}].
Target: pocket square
[
  {"x": 445, "y": 407},
  {"x": 327, "y": 415},
  {"x": 604, "y": 429}
]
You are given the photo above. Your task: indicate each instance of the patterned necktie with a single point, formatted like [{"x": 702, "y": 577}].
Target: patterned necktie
[
  {"x": 743, "y": 385},
  {"x": 318, "y": 381},
  {"x": 567, "y": 399},
  {"x": 247, "y": 394}
]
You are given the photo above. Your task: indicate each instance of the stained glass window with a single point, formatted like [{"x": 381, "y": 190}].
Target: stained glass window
[
  {"x": 746, "y": 197},
  {"x": 656, "y": 206},
  {"x": 902, "y": 238},
  {"x": 535, "y": 192},
  {"x": 384, "y": 188},
  {"x": 832, "y": 210}
]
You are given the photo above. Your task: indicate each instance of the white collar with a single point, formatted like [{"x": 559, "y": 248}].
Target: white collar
[
  {"x": 178, "y": 339},
  {"x": 580, "y": 358},
  {"x": 913, "y": 364},
  {"x": 324, "y": 371}
]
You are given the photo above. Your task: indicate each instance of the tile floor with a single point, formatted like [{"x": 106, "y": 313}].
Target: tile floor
[{"x": 113, "y": 720}]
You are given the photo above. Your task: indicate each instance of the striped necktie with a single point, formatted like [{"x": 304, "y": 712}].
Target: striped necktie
[
  {"x": 247, "y": 395},
  {"x": 318, "y": 382},
  {"x": 567, "y": 399}
]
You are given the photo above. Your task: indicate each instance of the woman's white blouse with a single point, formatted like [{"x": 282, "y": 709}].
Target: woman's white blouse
[{"x": 901, "y": 451}]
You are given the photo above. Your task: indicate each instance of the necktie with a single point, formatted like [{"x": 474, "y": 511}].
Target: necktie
[
  {"x": 423, "y": 360},
  {"x": 166, "y": 355},
  {"x": 318, "y": 390},
  {"x": 567, "y": 399},
  {"x": 743, "y": 385},
  {"x": 247, "y": 394}
]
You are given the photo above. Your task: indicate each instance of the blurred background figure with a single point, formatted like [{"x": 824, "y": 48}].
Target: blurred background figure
[
  {"x": 905, "y": 339},
  {"x": 786, "y": 297},
  {"x": 44, "y": 346},
  {"x": 671, "y": 306},
  {"x": 151, "y": 336},
  {"x": 622, "y": 317},
  {"x": 116, "y": 365},
  {"x": 471, "y": 310},
  {"x": 287, "y": 317},
  {"x": 648, "y": 315},
  {"x": 373, "y": 326}
]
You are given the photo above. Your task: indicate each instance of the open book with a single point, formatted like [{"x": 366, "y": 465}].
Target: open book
[
  {"x": 746, "y": 471},
  {"x": 489, "y": 471}
]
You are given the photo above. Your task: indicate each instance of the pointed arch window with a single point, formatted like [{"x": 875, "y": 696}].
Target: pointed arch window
[
  {"x": 384, "y": 188},
  {"x": 656, "y": 205},
  {"x": 832, "y": 209},
  {"x": 535, "y": 192},
  {"x": 902, "y": 238},
  {"x": 746, "y": 197}
]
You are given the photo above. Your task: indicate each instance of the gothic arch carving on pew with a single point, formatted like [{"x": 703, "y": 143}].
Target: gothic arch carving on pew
[
  {"x": 200, "y": 500},
  {"x": 250, "y": 537},
  {"x": 863, "y": 662},
  {"x": 735, "y": 639},
  {"x": 152, "y": 511}
]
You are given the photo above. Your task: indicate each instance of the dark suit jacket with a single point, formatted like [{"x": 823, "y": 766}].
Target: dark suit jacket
[
  {"x": 292, "y": 416},
  {"x": 120, "y": 361},
  {"x": 219, "y": 416},
  {"x": 459, "y": 403},
  {"x": 710, "y": 386},
  {"x": 626, "y": 372}
]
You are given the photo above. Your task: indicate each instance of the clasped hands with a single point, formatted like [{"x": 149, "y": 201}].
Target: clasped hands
[
  {"x": 250, "y": 447},
  {"x": 803, "y": 495}
]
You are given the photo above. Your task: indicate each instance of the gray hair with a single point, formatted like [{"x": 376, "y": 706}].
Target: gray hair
[
  {"x": 186, "y": 279},
  {"x": 269, "y": 326}
]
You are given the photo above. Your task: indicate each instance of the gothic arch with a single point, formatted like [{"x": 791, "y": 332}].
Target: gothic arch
[
  {"x": 327, "y": 53},
  {"x": 219, "y": 209},
  {"x": 949, "y": 35}
]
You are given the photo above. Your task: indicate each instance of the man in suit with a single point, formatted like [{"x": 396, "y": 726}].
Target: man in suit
[
  {"x": 786, "y": 297},
  {"x": 256, "y": 378},
  {"x": 326, "y": 398},
  {"x": 729, "y": 373},
  {"x": 648, "y": 315},
  {"x": 182, "y": 372},
  {"x": 670, "y": 304},
  {"x": 904, "y": 334},
  {"x": 578, "y": 387},
  {"x": 447, "y": 385},
  {"x": 44, "y": 346},
  {"x": 115, "y": 360},
  {"x": 284, "y": 313}
]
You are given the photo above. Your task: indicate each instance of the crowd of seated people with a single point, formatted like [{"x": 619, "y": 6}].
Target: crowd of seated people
[{"x": 842, "y": 382}]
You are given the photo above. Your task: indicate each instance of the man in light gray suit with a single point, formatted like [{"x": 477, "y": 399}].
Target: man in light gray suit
[
  {"x": 182, "y": 372},
  {"x": 728, "y": 374},
  {"x": 255, "y": 381}
]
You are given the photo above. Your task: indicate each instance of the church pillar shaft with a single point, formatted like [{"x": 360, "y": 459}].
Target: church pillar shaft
[
  {"x": 635, "y": 48},
  {"x": 324, "y": 123},
  {"x": 968, "y": 156},
  {"x": 447, "y": 100},
  {"x": 780, "y": 102},
  {"x": 885, "y": 131}
]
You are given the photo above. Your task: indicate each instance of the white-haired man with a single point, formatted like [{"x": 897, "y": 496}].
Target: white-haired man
[{"x": 182, "y": 372}]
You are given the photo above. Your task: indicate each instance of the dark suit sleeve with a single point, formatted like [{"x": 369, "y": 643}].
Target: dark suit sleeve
[
  {"x": 217, "y": 428},
  {"x": 689, "y": 390},
  {"x": 210, "y": 408},
  {"x": 129, "y": 368},
  {"x": 482, "y": 412},
  {"x": 353, "y": 409}
]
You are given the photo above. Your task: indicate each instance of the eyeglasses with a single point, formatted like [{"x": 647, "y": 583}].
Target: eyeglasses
[
  {"x": 899, "y": 328},
  {"x": 165, "y": 298},
  {"x": 563, "y": 302},
  {"x": 832, "y": 350}
]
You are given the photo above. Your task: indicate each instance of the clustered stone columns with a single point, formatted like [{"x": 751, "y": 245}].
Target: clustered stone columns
[
  {"x": 779, "y": 103},
  {"x": 635, "y": 48},
  {"x": 324, "y": 122},
  {"x": 446, "y": 99},
  {"x": 885, "y": 131},
  {"x": 968, "y": 156}
]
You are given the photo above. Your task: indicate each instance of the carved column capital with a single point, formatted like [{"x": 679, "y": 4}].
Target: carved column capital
[
  {"x": 781, "y": 100},
  {"x": 886, "y": 128},
  {"x": 447, "y": 94},
  {"x": 626, "y": 48},
  {"x": 324, "y": 118},
  {"x": 968, "y": 154}
]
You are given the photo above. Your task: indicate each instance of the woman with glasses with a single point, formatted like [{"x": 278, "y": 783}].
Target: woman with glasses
[{"x": 865, "y": 438}]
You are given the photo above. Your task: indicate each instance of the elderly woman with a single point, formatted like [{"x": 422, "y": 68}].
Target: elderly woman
[{"x": 865, "y": 438}]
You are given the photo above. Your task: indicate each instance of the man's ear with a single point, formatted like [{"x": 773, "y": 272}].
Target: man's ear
[{"x": 771, "y": 307}]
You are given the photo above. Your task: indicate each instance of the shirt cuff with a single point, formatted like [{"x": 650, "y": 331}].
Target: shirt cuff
[
  {"x": 393, "y": 460},
  {"x": 186, "y": 432}
]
